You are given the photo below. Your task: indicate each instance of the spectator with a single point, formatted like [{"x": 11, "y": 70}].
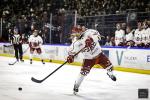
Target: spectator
[
  {"x": 109, "y": 41},
  {"x": 129, "y": 36},
  {"x": 146, "y": 34},
  {"x": 30, "y": 11},
  {"x": 119, "y": 35},
  {"x": 138, "y": 35}
]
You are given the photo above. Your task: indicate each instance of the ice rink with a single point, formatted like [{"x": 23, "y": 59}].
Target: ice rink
[{"x": 96, "y": 86}]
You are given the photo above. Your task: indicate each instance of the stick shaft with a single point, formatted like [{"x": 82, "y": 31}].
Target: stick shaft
[{"x": 39, "y": 81}]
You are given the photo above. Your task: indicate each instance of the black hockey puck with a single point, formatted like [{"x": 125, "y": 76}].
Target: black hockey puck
[{"x": 20, "y": 89}]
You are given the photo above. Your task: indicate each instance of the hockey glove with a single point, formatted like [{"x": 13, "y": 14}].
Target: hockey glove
[
  {"x": 88, "y": 42},
  {"x": 70, "y": 59}
]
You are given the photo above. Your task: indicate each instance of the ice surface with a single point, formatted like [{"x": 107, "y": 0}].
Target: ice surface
[{"x": 96, "y": 86}]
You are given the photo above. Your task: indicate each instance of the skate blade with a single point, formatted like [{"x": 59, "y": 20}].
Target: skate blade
[{"x": 75, "y": 93}]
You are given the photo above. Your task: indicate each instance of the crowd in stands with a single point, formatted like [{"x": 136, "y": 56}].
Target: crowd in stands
[
  {"x": 139, "y": 37},
  {"x": 124, "y": 35},
  {"x": 27, "y": 14},
  {"x": 83, "y": 7},
  {"x": 100, "y": 7}
]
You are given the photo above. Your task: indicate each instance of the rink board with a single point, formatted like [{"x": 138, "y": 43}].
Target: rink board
[{"x": 124, "y": 59}]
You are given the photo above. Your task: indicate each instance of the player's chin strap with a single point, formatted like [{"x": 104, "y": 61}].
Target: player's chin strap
[{"x": 40, "y": 81}]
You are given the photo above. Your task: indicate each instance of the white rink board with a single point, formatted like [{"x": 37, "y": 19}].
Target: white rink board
[
  {"x": 132, "y": 58},
  {"x": 128, "y": 58}
]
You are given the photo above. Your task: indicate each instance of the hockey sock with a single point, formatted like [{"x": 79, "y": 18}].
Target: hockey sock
[
  {"x": 110, "y": 73},
  {"x": 79, "y": 80},
  {"x": 110, "y": 70},
  {"x": 31, "y": 55}
]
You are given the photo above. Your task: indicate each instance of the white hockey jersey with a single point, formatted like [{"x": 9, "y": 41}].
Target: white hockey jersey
[
  {"x": 146, "y": 35},
  {"x": 129, "y": 36},
  {"x": 148, "y": 32},
  {"x": 89, "y": 53},
  {"x": 138, "y": 36},
  {"x": 119, "y": 36},
  {"x": 35, "y": 42}
]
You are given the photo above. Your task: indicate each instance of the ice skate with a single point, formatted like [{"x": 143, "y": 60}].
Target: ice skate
[
  {"x": 30, "y": 61},
  {"x": 17, "y": 60},
  {"x": 112, "y": 76},
  {"x": 21, "y": 60},
  {"x": 75, "y": 90},
  {"x": 43, "y": 62}
]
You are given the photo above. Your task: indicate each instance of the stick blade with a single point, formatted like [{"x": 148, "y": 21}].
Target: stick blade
[
  {"x": 10, "y": 64},
  {"x": 36, "y": 81}
]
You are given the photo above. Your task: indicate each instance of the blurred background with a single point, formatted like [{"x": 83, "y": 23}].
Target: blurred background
[{"x": 57, "y": 19}]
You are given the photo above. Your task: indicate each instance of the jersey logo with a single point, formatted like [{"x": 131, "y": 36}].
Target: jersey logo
[{"x": 90, "y": 48}]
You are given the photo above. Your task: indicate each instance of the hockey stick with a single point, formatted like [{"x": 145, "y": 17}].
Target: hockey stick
[
  {"x": 8, "y": 45},
  {"x": 16, "y": 60},
  {"x": 40, "y": 81},
  {"x": 12, "y": 63}
]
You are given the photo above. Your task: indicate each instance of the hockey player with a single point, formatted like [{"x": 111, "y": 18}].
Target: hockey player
[
  {"x": 129, "y": 37},
  {"x": 35, "y": 43},
  {"x": 146, "y": 33},
  {"x": 119, "y": 35},
  {"x": 76, "y": 32},
  {"x": 89, "y": 41},
  {"x": 16, "y": 40},
  {"x": 138, "y": 35}
]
